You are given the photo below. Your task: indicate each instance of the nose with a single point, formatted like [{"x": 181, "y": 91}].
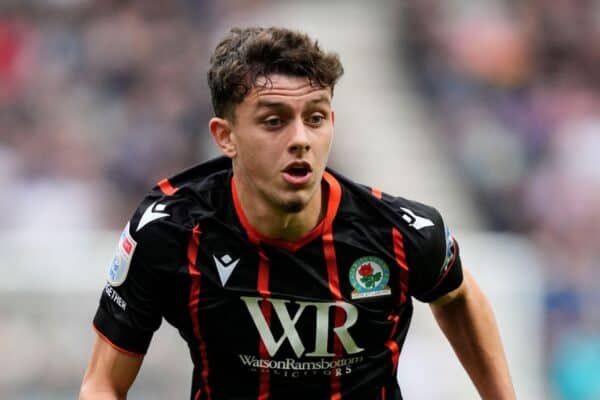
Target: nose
[{"x": 300, "y": 140}]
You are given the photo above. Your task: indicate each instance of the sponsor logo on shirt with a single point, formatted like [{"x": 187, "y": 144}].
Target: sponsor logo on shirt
[
  {"x": 315, "y": 355},
  {"x": 320, "y": 311},
  {"x": 114, "y": 296},
  {"x": 119, "y": 266},
  {"x": 294, "y": 368},
  {"x": 369, "y": 277}
]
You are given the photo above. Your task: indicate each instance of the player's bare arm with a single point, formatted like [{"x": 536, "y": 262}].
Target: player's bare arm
[
  {"x": 110, "y": 373},
  {"x": 466, "y": 318}
]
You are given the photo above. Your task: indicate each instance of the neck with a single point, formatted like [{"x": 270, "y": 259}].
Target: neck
[{"x": 273, "y": 222}]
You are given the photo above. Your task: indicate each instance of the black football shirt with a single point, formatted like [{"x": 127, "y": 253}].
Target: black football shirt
[{"x": 323, "y": 317}]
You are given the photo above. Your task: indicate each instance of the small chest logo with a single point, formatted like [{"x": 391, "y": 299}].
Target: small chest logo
[
  {"x": 369, "y": 276},
  {"x": 225, "y": 266}
]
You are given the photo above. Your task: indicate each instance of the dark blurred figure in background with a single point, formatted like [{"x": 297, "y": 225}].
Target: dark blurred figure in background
[
  {"x": 90, "y": 92},
  {"x": 516, "y": 91}
]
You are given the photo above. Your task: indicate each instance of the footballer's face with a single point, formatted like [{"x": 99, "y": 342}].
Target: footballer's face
[{"x": 280, "y": 141}]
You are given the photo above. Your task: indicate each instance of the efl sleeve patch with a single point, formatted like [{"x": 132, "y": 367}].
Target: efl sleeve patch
[
  {"x": 450, "y": 251},
  {"x": 119, "y": 266}
]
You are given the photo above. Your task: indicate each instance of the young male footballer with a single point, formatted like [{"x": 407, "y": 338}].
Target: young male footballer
[{"x": 286, "y": 279}]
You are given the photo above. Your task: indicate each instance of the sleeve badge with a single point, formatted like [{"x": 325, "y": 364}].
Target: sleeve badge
[{"x": 119, "y": 266}]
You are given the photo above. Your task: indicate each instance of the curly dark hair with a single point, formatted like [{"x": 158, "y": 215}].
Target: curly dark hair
[{"x": 246, "y": 55}]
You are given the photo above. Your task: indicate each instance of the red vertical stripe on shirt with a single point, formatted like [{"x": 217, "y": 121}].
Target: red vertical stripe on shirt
[
  {"x": 396, "y": 319},
  {"x": 334, "y": 288},
  {"x": 393, "y": 346},
  {"x": 264, "y": 387},
  {"x": 166, "y": 187},
  {"x": 338, "y": 349},
  {"x": 263, "y": 274},
  {"x": 401, "y": 261},
  {"x": 403, "y": 276},
  {"x": 195, "y": 276},
  {"x": 335, "y": 196},
  {"x": 332, "y": 272}
]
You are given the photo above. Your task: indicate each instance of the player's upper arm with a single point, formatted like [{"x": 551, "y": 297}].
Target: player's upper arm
[
  {"x": 437, "y": 270},
  {"x": 110, "y": 373},
  {"x": 150, "y": 252},
  {"x": 455, "y": 294}
]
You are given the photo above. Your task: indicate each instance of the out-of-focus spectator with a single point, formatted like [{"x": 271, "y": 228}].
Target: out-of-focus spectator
[
  {"x": 98, "y": 101},
  {"x": 517, "y": 94}
]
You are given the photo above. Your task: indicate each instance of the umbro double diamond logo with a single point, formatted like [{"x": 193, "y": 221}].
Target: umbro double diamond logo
[{"x": 225, "y": 266}]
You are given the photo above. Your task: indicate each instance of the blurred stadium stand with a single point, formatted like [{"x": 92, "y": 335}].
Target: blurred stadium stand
[{"x": 489, "y": 111}]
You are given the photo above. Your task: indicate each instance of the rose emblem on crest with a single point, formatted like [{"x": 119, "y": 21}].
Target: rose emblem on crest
[{"x": 368, "y": 276}]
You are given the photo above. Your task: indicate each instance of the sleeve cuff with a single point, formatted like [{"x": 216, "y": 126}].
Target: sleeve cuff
[
  {"x": 119, "y": 336},
  {"x": 447, "y": 283}
]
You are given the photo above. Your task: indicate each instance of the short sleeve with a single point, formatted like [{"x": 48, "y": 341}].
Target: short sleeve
[
  {"x": 130, "y": 309},
  {"x": 438, "y": 270}
]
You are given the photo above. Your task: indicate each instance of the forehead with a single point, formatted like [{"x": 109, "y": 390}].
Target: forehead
[{"x": 286, "y": 89}]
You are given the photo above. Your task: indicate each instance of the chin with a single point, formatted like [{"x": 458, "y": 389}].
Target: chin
[
  {"x": 295, "y": 202},
  {"x": 293, "y": 206}
]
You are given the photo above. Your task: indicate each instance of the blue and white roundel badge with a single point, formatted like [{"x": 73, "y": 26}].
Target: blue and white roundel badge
[
  {"x": 369, "y": 276},
  {"x": 119, "y": 266}
]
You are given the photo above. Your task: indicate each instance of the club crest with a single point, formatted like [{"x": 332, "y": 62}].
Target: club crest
[{"x": 369, "y": 276}]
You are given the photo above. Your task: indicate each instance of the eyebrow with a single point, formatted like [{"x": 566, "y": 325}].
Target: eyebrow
[{"x": 279, "y": 104}]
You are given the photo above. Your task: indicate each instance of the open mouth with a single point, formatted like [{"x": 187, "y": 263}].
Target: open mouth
[{"x": 297, "y": 172}]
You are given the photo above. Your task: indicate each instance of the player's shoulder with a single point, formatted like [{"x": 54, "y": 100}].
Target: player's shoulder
[
  {"x": 414, "y": 214},
  {"x": 427, "y": 242},
  {"x": 179, "y": 203},
  {"x": 161, "y": 230},
  {"x": 405, "y": 214}
]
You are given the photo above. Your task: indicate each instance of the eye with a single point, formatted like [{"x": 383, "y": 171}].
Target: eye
[
  {"x": 316, "y": 119},
  {"x": 272, "y": 122}
]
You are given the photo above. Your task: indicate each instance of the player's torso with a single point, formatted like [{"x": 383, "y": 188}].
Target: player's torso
[{"x": 296, "y": 320}]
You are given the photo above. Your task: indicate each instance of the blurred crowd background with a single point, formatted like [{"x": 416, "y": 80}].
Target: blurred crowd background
[
  {"x": 514, "y": 87},
  {"x": 100, "y": 99}
]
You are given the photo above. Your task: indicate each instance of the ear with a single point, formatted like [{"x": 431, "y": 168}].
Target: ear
[
  {"x": 332, "y": 117},
  {"x": 221, "y": 131}
]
